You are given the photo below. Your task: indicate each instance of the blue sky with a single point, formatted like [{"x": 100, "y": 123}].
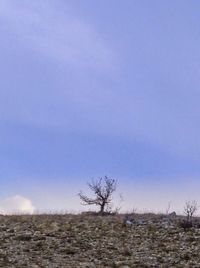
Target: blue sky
[{"x": 90, "y": 88}]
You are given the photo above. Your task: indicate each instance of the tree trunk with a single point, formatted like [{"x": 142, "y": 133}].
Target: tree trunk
[{"x": 102, "y": 208}]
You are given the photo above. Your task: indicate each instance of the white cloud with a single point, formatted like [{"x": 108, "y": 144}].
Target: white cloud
[
  {"x": 56, "y": 33},
  {"x": 16, "y": 204}
]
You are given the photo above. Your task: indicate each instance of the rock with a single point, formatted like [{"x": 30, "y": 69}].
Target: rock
[
  {"x": 128, "y": 222},
  {"x": 172, "y": 215}
]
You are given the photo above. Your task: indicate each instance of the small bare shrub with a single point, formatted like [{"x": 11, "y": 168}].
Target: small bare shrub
[{"x": 190, "y": 209}]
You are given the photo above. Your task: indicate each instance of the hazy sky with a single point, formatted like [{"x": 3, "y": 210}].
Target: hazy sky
[{"x": 93, "y": 88}]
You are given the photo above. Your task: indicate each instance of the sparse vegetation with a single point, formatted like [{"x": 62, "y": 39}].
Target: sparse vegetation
[
  {"x": 83, "y": 241},
  {"x": 89, "y": 240}
]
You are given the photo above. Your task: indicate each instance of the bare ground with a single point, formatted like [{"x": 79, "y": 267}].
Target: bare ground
[{"x": 74, "y": 241}]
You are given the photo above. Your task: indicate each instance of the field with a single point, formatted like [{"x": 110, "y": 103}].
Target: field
[{"x": 93, "y": 241}]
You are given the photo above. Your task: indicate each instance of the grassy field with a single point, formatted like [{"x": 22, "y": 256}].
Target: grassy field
[{"x": 93, "y": 241}]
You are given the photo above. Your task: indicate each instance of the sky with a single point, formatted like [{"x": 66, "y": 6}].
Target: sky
[{"x": 93, "y": 88}]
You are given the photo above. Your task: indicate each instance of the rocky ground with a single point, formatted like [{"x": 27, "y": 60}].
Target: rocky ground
[{"x": 94, "y": 241}]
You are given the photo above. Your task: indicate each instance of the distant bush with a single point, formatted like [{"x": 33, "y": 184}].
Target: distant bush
[{"x": 185, "y": 225}]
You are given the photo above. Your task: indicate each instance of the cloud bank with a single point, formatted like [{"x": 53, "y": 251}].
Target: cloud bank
[{"x": 16, "y": 204}]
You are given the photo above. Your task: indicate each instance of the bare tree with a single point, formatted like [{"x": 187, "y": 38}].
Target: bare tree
[
  {"x": 103, "y": 189},
  {"x": 190, "y": 209}
]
